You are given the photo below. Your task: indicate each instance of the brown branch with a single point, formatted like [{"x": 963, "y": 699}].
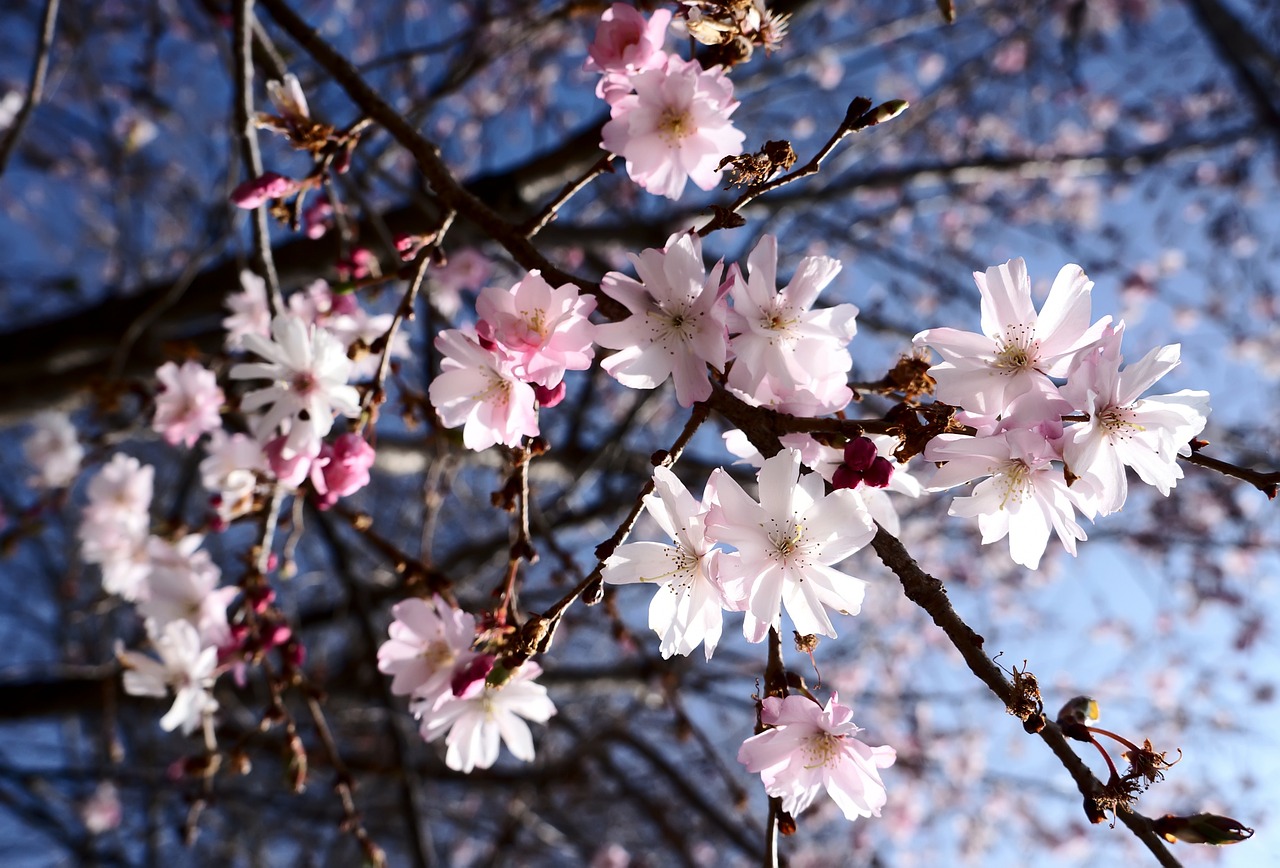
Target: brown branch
[
  {"x": 571, "y": 189},
  {"x": 35, "y": 90},
  {"x": 1268, "y": 482}
]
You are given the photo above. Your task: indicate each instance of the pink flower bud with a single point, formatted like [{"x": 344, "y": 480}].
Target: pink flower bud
[
  {"x": 469, "y": 680},
  {"x": 258, "y": 191},
  {"x": 290, "y": 466},
  {"x": 549, "y": 397},
  {"x": 347, "y": 469}
]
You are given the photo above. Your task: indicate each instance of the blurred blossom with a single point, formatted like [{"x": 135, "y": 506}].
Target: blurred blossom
[
  {"x": 102, "y": 811},
  {"x": 53, "y": 449},
  {"x": 188, "y": 403}
]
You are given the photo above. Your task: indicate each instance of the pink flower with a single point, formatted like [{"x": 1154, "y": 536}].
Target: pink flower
[
  {"x": 230, "y": 471},
  {"x": 260, "y": 190},
  {"x": 182, "y": 585},
  {"x": 117, "y": 521},
  {"x": 626, "y": 42},
  {"x": 345, "y": 470},
  {"x": 250, "y": 312},
  {"x": 291, "y": 465},
  {"x": 675, "y": 127},
  {"x": 810, "y": 747},
  {"x": 430, "y": 640},
  {"x": 467, "y": 270},
  {"x": 479, "y": 390},
  {"x": 53, "y": 449},
  {"x": 545, "y": 331},
  {"x": 677, "y": 322},
  {"x": 188, "y": 404},
  {"x": 186, "y": 666},
  {"x": 1019, "y": 349}
]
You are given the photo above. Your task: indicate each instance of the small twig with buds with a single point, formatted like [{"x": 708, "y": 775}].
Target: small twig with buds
[{"x": 571, "y": 189}]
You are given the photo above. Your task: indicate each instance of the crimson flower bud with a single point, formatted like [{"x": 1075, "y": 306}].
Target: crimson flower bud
[
  {"x": 258, "y": 191},
  {"x": 859, "y": 453}
]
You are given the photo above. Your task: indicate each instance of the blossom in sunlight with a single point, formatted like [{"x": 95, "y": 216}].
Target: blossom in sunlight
[
  {"x": 685, "y": 610},
  {"x": 809, "y": 747},
  {"x": 429, "y": 641},
  {"x": 116, "y": 524},
  {"x": 478, "y": 390},
  {"x": 1019, "y": 349},
  {"x": 1125, "y": 430},
  {"x": 182, "y": 584},
  {"x": 778, "y": 342},
  {"x": 308, "y": 370},
  {"x": 543, "y": 329},
  {"x": 186, "y": 667},
  {"x": 675, "y": 127},
  {"x": 1026, "y": 496},
  {"x": 677, "y": 322},
  {"x": 484, "y": 714},
  {"x": 625, "y": 44},
  {"x": 188, "y": 404},
  {"x": 53, "y": 449},
  {"x": 786, "y": 545},
  {"x": 250, "y": 311},
  {"x": 466, "y": 271}
]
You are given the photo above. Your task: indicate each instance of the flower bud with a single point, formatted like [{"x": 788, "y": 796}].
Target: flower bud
[
  {"x": 859, "y": 453},
  {"x": 879, "y": 473},
  {"x": 258, "y": 191}
]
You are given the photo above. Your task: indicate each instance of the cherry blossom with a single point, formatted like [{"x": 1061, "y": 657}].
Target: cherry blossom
[
  {"x": 677, "y": 322},
  {"x": 1125, "y": 430},
  {"x": 117, "y": 521},
  {"x": 544, "y": 330},
  {"x": 626, "y": 43},
  {"x": 250, "y": 311},
  {"x": 182, "y": 584},
  {"x": 188, "y": 404},
  {"x": 344, "y": 468},
  {"x": 186, "y": 667},
  {"x": 809, "y": 747},
  {"x": 486, "y": 713},
  {"x": 230, "y": 471},
  {"x": 776, "y": 337},
  {"x": 675, "y": 127},
  {"x": 308, "y": 369},
  {"x": 685, "y": 611},
  {"x": 1026, "y": 496},
  {"x": 53, "y": 449},
  {"x": 1019, "y": 349},
  {"x": 429, "y": 641},
  {"x": 786, "y": 544},
  {"x": 478, "y": 390}
]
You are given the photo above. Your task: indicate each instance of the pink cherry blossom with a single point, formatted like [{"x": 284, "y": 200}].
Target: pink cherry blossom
[
  {"x": 685, "y": 610},
  {"x": 478, "y": 390},
  {"x": 182, "y": 584},
  {"x": 1026, "y": 497},
  {"x": 117, "y": 522},
  {"x": 677, "y": 322},
  {"x": 188, "y": 404},
  {"x": 626, "y": 42},
  {"x": 786, "y": 545},
  {"x": 1019, "y": 349},
  {"x": 783, "y": 351},
  {"x": 345, "y": 469},
  {"x": 250, "y": 311},
  {"x": 259, "y": 191},
  {"x": 1125, "y": 430},
  {"x": 186, "y": 667},
  {"x": 675, "y": 127},
  {"x": 544, "y": 330},
  {"x": 809, "y": 747},
  {"x": 430, "y": 640},
  {"x": 292, "y": 466},
  {"x": 230, "y": 471}
]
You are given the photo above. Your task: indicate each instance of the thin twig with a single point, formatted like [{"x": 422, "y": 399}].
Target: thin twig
[
  {"x": 35, "y": 90},
  {"x": 247, "y": 133},
  {"x": 1268, "y": 482},
  {"x": 377, "y": 392},
  {"x": 571, "y": 189}
]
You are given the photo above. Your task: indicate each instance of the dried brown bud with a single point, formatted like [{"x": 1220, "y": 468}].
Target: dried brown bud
[
  {"x": 806, "y": 644},
  {"x": 1202, "y": 829},
  {"x": 1148, "y": 765}
]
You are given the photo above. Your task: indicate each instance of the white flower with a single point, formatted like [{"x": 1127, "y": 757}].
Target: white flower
[
  {"x": 677, "y": 322},
  {"x": 185, "y": 667},
  {"x": 53, "y": 449},
  {"x": 182, "y": 585},
  {"x": 250, "y": 312},
  {"x": 117, "y": 521},
  {"x": 786, "y": 545},
  {"x": 231, "y": 470},
  {"x": 308, "y": 369},
  {"x": 685, "y": 610},
  {"x": 476, "y": 721}
]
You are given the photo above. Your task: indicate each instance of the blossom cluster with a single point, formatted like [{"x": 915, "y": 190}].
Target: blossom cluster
[
  {"x": 1058, "y": 417},
  {"x": 453, "y": 690},
  {"x": 669, "y": 117}
]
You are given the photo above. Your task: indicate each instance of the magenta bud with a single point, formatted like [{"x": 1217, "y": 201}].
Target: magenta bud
[
  {"x": 549, "y": 397},
  {"x": 258, "y": 191},
  {"x": 879, "y": 473},
  {"x": 845, "y": 477},
  {"x": 859, "y": 453},
  {"x": 273, "y": 561},
  {"x": 279, "y": 634},
  {"x": 469, "y": 680}
]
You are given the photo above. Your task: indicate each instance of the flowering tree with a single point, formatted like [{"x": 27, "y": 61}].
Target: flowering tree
[{"x": 340, "y": 497}]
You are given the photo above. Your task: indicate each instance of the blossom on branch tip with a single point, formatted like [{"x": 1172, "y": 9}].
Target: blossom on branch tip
[
  {"x": 677, "y": 322},
  {"x": 786, "y": 545},
  {"x": 675, "y": 127},
  {"x": 809, "y": 747}
]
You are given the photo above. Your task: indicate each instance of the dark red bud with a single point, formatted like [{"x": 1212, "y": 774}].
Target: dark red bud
[{"x": 859, "y": 453}]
